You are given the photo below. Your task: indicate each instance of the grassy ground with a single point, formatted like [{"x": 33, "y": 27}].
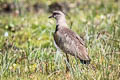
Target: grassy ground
[{"x": 27, "y": 51}]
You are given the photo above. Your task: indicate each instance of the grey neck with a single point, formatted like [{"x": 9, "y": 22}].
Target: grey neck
[{"x": 61, "y": 22}]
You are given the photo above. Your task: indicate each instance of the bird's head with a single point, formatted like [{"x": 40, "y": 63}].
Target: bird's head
[
  {"x": 57, "y": 15},
  {"x": 60, "y": 18}
]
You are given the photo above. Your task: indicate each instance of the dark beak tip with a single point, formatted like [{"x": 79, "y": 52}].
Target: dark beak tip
[{"x": 50, "y": 17}]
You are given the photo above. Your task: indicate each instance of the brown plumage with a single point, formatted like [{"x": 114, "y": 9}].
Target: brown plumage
[{"x": 67, "y": 40}]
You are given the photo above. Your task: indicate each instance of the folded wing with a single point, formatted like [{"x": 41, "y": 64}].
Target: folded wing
[{"x": 71, "y": 43}]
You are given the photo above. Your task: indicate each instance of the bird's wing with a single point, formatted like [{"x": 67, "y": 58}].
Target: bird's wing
[{"x": 71, "y": 43}]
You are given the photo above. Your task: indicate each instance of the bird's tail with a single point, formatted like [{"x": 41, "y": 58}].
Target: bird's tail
[{"x": 85, "y": 61}]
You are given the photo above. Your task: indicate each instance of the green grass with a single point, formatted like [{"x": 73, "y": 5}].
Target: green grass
[{"x": 28, "y": 52}]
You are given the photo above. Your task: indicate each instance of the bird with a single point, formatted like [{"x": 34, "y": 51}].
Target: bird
[{"x": 67, "y": 40}]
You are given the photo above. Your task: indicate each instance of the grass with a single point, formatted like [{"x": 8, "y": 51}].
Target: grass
[{"x": 27, "y": 50}]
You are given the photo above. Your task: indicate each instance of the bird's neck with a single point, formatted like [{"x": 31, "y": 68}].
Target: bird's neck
[{"x": 61, "y": 22}]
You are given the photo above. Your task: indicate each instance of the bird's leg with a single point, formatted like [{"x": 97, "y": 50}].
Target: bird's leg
[{"x": 67, "y": 63}]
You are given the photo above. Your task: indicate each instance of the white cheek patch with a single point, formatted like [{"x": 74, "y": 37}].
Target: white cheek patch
[{"x": 54, "y": 16}]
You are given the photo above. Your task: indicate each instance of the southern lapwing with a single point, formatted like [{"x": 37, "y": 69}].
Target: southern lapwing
[{"x": 67, "y": 40}]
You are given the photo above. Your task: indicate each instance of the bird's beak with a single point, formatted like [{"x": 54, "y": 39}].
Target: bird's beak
[{"x": 51, "y": 16}]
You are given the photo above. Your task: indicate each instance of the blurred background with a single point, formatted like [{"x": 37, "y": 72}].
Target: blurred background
[{"x": 27, "y": 51}]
